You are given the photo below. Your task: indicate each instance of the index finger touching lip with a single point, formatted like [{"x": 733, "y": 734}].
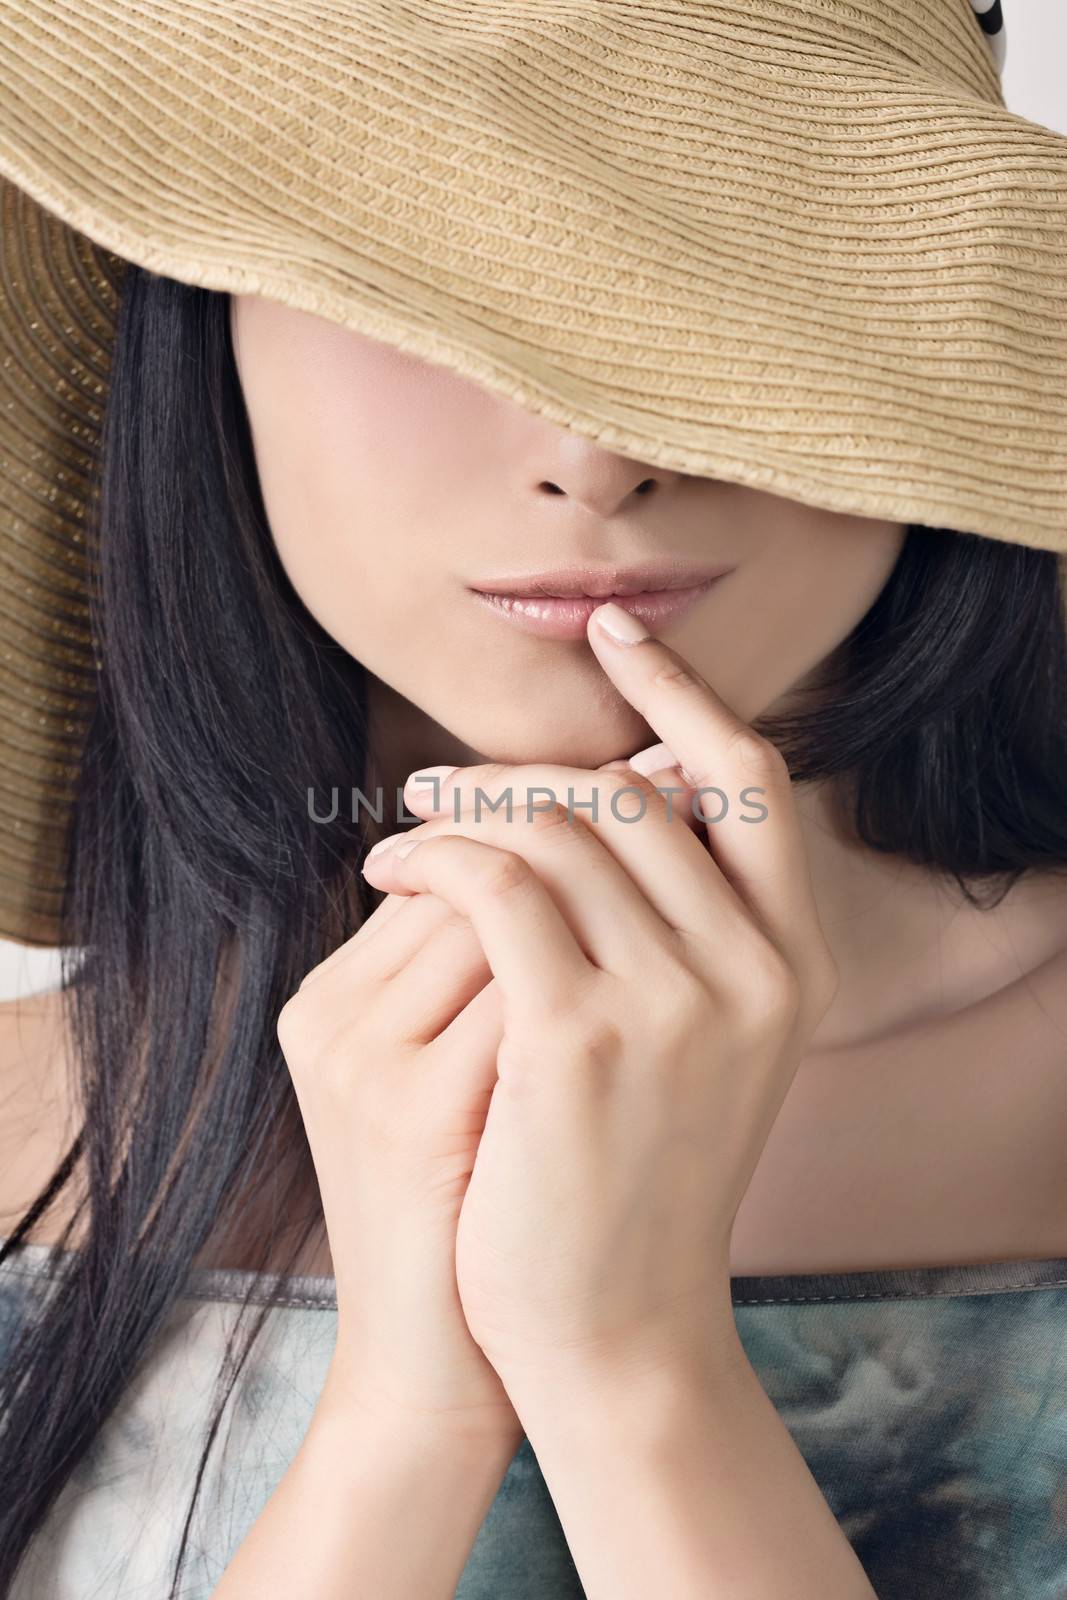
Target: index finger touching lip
[
  {"x": 722, "y": 753},
  {"x": 694, "y": 724}
]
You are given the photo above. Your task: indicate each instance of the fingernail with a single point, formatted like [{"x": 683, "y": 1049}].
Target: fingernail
[
  {"x": 398, "y": 843},
  {"x": 425, "y": 773},
  {"x": 620, "y": 624},
  {"x": 655, "y": 759}
]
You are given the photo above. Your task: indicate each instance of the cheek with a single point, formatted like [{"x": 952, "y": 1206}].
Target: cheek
[
  {"x": 327, "y": 554},
  {"x": 791, "y": 607},
  {"x": 354, "y": 504}
]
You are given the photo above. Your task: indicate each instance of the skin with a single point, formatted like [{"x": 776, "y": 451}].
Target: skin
[
  {"x": 551, "y": 1107},
  {"x": 649, "y": 1004},
  {"x": 363, "y": 449},
  {"x": 656, "y": 997},
  {"x": 557, "y": 1026}
]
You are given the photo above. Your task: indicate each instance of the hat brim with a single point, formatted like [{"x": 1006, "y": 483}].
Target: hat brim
[
  {"x": 822, "y": 270},
  {"x": 804, "y": 248}
]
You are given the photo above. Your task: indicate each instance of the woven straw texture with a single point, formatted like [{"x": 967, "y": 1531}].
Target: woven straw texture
[{"x": 796, "y": 244}]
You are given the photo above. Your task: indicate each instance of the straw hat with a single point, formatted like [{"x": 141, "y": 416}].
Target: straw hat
[{"x": 795, "y": 244}]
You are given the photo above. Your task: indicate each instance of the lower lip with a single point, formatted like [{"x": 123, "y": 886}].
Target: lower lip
[{"x": 566, "y": 617}]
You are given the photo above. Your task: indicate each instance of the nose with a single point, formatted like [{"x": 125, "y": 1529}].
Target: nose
[{"x": 599, "y": 480}]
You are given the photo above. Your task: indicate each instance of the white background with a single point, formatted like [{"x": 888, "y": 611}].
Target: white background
[
  {"x": 1035, "y": 74},
  {"x": 1034, "y": 77}
]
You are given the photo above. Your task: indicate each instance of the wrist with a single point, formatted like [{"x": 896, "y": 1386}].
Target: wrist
[
  {"x": 396, "y": 1500},
  {"x": 352, "y": 1400},
  {"x": 640, "y": 1393}
]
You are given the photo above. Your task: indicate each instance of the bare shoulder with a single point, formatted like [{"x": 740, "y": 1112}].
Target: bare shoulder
[{"x": 36, "y": 1121}]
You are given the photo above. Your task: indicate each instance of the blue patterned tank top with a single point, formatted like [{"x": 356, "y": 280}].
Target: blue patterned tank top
[{"x": 929, "y": 1403}]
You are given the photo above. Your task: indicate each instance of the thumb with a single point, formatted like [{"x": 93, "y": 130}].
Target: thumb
[{"x": 476, "y": 1033}]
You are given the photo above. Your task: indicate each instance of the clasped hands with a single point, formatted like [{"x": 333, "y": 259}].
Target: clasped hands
[{"x": 658, "y": 980}]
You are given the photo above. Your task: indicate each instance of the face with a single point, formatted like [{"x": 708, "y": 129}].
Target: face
[{"x": 394, "y": 487}]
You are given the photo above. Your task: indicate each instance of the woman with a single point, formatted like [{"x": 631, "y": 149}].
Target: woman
[{"x": 683, "y": 1145}]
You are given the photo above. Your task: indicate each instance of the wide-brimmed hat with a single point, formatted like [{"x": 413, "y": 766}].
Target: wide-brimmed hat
[{"x": 796, "y": 244}]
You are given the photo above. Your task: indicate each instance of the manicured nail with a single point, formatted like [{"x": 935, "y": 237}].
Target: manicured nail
[
  {"x": 620, "y": 624},
  {"x": 398, "y": 843},
  {"x": 655, "y": 759},
  {"x": 424, "y": 773}
]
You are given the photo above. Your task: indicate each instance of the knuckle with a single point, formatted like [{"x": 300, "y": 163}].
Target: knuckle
[
  {"x": 347, "y": 1075},
  {"x": 757, "y": 755},
  {"x": 673, "y": 673},
  {"x": 339, "y": 1067},
  {"x": 505, "y": 874},
  {"x": 551, "y": 819},
  {"x": 303, "y": 1033},
  {"x": 679, "y": 1002},
  {"x": 632, "y": 793},
  {"x": 592, "y": 1036},
  {"x": 627, "y": 782},
  {"x": 771, "y": 992},
  {"x": 580, "y": 1021},
  {"x": 301, "y": 1022}
]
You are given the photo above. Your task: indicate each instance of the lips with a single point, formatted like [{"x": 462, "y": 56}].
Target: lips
[
  {"x": 567, "y": 616},
  {"x": 601, "y": 583}
]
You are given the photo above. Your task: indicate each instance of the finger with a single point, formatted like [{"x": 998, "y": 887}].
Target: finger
[
  {"x": 458, "y": 1065},
  {"x": 440, "y": 979},
  {"x": 530, "y": 948},
  {"x": 670, "y": 782},
  {"x": 397, "y": 927},
  {"x": 477, "y": 1030},
  {"x": 656, "y": 758},
  {"x": 765, "y": 860},
  {"x": 645, "y": 829},
  {"x": 462, "y": 1060},
  {"x": 661, "y": 765},
  {"x": 589, "y": 869}
]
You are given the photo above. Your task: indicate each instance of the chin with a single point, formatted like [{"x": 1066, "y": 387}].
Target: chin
[{"x": 582, "y": 742}]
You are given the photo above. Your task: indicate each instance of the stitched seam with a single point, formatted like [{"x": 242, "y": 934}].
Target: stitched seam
[
  {"x": 295, "y": 1302},
  {"x": 328, "y": 1302},
  {"x": 898, "y": 1294}
]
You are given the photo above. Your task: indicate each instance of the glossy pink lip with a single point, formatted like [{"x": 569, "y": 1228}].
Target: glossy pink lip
[
  {"x": 565, "y": 617},
  {"x": 603, "y": 582}
]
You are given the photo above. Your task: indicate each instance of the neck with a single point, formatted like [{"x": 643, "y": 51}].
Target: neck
[{"x": 908, "y": 944}]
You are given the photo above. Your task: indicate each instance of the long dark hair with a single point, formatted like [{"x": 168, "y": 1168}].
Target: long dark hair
[{"x": 201, "y": 890}]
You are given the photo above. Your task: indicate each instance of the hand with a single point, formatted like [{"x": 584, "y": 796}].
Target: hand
[
  {"x": 658, "y": 990},
  {"x": 391, "y": 1044}
]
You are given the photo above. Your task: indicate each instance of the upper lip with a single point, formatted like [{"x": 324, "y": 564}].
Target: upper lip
[{"x": 600, "y": 582}]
